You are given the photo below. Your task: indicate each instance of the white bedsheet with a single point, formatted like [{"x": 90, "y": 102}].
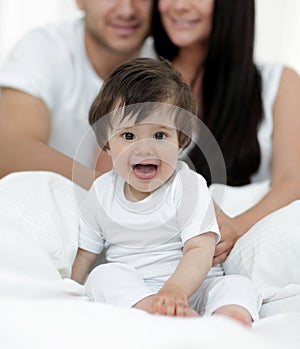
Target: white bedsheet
[
  {"x": 55, "y": 314},
  {"x": 41, "y": 308},
  {"x": 68, "y": 324}
]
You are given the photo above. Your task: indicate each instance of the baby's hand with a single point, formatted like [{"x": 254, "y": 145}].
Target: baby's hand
[{"x": 170, "y": 300}]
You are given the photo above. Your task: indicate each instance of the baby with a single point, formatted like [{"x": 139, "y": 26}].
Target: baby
[{"x": 153, "y": 214}]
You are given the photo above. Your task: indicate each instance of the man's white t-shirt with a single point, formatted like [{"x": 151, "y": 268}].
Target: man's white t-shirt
[
  {"x": 51, "y": 63},
  {"x": 148, "y": 234}
]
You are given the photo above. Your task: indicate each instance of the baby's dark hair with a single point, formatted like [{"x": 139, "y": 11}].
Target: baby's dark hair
[{"x": 139, "y": 87}]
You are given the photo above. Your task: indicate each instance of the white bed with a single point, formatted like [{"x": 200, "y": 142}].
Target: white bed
[{"x": 41, "y": 308}]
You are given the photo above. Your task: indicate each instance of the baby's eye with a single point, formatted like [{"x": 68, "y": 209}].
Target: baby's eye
[
  {"x": 128, "y": 136},
  {"x": 160, "y": 135}
]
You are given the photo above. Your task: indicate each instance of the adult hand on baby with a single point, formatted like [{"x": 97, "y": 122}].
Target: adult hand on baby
[
  {"x": 171, "y": 300},
  {"x": 229, "y": 236}
]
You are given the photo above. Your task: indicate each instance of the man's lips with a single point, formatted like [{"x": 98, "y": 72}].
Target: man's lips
[{"x": 125, "y": 28}]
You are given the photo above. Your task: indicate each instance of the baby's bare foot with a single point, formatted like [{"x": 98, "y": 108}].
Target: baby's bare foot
[
  {"x": 237, "y": 313},
  {"x": 241, "y": 318}
]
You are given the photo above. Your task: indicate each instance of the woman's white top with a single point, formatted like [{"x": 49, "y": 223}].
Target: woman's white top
[{"x": 271, "y": 76}]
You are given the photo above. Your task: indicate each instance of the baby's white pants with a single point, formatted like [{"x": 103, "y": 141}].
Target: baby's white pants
[{"x": 120, "y": 284}]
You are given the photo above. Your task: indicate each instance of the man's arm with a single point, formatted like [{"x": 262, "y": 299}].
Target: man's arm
[{"x": 24, "y": 134}]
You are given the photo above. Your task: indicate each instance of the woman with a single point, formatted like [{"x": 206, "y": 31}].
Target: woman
[{"x": 253, "y": 112}]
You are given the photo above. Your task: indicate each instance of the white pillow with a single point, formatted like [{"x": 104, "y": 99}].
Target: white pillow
[
  {"x": 269, "y": 253},
  {"x": 235, "y": 200},
  {"x": 39, "y": 207}
]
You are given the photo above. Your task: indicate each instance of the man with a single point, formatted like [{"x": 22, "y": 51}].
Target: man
[{"x": 50, "y": 80}]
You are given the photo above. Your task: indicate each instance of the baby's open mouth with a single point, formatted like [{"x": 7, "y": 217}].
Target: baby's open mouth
[{"x": 145, "y": 171}]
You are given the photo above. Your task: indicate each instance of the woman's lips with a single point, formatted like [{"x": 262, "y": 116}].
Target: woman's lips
[{"x": 184, "y": 23}]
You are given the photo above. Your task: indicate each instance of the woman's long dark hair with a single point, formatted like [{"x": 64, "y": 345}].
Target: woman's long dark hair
[{"x": 230, "y": 101}]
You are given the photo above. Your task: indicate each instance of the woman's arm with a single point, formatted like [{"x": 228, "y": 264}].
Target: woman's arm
[
  {"x": 285, "y": 180},
  {"x": 172, "y": 298}
]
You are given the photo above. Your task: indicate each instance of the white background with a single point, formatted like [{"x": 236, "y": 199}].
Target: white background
[{"x": 277, "y": 32}]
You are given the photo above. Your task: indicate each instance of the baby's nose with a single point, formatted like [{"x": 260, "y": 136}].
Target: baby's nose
[{"x": 144, "y": 147}]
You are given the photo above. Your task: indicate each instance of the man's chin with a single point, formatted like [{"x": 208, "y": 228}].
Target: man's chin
[{"x": 127, "y": 50}]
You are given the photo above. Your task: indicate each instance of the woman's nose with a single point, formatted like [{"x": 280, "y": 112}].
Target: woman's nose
[{"x": 180, "y": 4}]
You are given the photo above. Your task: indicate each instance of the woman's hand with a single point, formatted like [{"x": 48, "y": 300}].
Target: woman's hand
[{"x": 229, "y": 236}]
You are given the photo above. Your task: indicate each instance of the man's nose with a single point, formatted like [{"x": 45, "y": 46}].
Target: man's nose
[{"x": 127, "y": 7}]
